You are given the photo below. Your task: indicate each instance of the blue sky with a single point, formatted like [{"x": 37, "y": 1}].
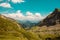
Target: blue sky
[
  {"x": 41, "y": 6},
  {"x": 44, "y": 7}
]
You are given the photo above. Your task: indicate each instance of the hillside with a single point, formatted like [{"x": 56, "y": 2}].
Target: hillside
[
  {"x": 52, "y": 19},
  {"x": 11, "y": 30},
  {"x": 49, "y": 28}
]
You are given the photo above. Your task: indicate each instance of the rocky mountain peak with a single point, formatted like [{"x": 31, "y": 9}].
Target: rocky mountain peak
[{"x": 52, "y": 19}]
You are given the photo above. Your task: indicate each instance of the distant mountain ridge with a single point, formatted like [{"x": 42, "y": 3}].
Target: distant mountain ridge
[
  {"x": 27, "y": 24},
  {"x": 52, "y": 19}
]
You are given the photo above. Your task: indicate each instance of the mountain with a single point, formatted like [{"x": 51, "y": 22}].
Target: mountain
[
  {"x": 52, "y": 19},
  {"x": 27, "y": 24},
  {"x": 11, "y": 30},
  {"x": 49, "y": 28}
]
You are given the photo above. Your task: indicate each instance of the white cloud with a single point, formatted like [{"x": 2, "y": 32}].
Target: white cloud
[
  {"x": 29, "y": 13},
  {"x": 29, "y": 16},
  {"x": 17, "y": 1},
  {"x": 7, "y": 5},
  {"x": 18, "y": 15}
]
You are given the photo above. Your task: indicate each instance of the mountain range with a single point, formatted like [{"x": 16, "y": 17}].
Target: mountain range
[{"x": 46, "y": 29}]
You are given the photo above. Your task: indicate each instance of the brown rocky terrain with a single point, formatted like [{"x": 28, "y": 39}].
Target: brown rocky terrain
[{"x": 52, "y": 19}]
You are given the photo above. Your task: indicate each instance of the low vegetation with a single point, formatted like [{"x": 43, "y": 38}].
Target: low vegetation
[{"x": 11, "y": 30}]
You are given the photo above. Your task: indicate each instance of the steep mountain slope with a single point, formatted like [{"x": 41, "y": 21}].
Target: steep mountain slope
[
  {"x": 52, "y": 19},
  {"x": 49, "y": 28},
  {"x": 8, "y": 28},
  {"x": 11, "y": 30}
]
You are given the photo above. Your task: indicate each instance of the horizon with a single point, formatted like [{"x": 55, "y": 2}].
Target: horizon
[{"x": 28, "y": 9}]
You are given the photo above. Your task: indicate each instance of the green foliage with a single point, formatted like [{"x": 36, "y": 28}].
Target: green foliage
[{"x": 11, "y": 30}]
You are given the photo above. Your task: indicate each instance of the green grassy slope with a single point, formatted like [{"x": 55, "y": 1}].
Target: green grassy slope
[{"x": 11, "y": 30}]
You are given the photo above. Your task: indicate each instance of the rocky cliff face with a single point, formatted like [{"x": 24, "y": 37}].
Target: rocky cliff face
[{"x": 52, "y": 19}]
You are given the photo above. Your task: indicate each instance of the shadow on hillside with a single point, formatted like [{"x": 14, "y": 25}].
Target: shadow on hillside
[{"x": 56, "y": 38}]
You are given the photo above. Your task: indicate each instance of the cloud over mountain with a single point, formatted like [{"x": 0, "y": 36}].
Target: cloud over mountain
[{"x": 29, "y": 16}]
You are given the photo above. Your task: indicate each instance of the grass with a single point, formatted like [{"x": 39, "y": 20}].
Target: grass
[
  {"x": 44, "y": 33},
  {"x": 11, "y": 30}
]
